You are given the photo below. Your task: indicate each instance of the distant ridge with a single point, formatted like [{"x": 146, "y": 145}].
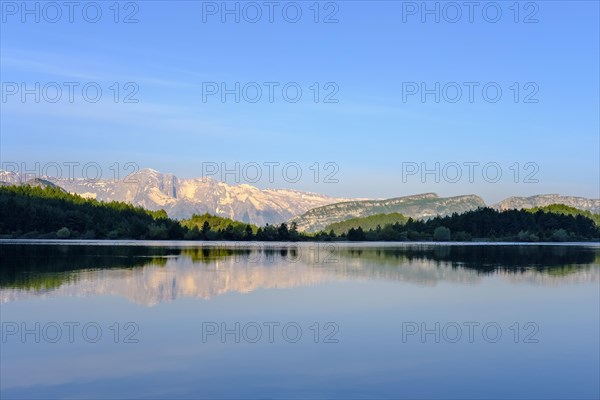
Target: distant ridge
[
  {"x": 416, "y": 206},
  {"x": 43, "y": 183},
  {"x": 543, "y": 200}
]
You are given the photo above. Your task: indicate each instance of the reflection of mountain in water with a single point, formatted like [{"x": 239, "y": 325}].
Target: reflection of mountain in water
[{"x": 149, "y": 275}]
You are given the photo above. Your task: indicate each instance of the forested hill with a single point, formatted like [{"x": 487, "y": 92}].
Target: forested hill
[
  {"x": 50, "y": 212},
  {"x": 489, "y": 224},
  {"x": 366, "y": 223},
  {"x": 567, "y": 210}
]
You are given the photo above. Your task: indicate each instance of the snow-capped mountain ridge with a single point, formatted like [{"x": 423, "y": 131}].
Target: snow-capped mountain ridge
[{"x": 181, "y": 198}]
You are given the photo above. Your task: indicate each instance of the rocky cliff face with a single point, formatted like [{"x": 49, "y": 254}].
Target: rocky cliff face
[
  {"x": 9, "y": 178},
  {"x": 181, "y": 198},
  {"x": 418, "y": 206},
  {"x": 543, "y": 200}
]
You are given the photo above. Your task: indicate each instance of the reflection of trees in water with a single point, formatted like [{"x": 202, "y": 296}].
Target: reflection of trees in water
[
  {"x": 151, "y": 274},
  {"x": 555, "y": 260},
  {"x": 207, "y": 255},
  {"x": 47, "y": 266},
  {"x": 427, "y": 264},
  {"x": 181, "y": 277}
]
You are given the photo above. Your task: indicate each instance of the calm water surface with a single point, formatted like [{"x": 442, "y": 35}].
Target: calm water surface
[{"x": 208, "y": 320}]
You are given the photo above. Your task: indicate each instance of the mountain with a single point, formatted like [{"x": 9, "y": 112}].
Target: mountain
[
  {"x": 181, "y": 198},
  {"x": 42, "y": 183},
  {"x": 9, "y": 178},
  {"x": 418, "y": 206},
  {"x": 543, "y": 200}
]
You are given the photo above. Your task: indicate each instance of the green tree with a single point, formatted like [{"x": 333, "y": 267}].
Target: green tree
[
  {"x": 248, "y": 234},
  {"x": 192, "y": 234},
  {"x": 158, "y": 231},
  {"x": 63, "y": 233},
  {"x": 283, "y": 232},
  {"x": 205, "y": 230},
  {"x": 356, "y": 234},
  {"x": 293, "y": 232},
  {"x": 560, "y": 235},
  {"x": 441, "y": 234}
]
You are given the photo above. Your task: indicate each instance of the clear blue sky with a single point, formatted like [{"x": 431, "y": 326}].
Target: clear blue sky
[{"x": 171, "y": 53}]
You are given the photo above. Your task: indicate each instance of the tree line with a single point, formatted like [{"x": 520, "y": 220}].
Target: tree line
[
  {"x": 52, "y": 213},
  {"x": 488, "y": 224}
]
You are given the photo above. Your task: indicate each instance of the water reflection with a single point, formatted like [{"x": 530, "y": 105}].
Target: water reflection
[{"x": 152, "y": 274}]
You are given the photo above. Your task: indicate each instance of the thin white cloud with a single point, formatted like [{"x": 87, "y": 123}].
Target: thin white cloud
[{"x": 67, "y": 66}]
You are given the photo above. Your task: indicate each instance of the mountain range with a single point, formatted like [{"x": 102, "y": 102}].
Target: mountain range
[
  {"x": 181, "y": 198},
  {"x": 428, "y": 205}
]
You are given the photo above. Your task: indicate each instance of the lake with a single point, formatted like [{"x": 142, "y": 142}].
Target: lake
[{"x": 311, "y": 320}]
